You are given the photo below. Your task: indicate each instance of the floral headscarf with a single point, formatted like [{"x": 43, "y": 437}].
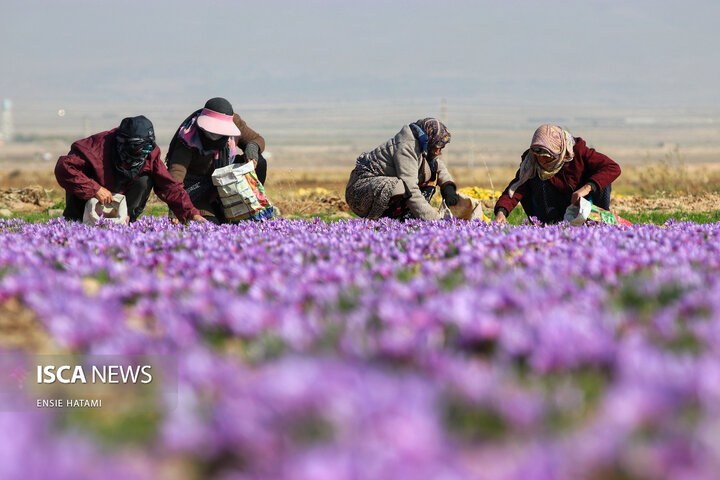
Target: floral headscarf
[
  {"x": 555, "y": 140},
  {"x": 430, "y": 132},
  {"x": 436, "y": 131},
  {"x": 190, "y": 136}
]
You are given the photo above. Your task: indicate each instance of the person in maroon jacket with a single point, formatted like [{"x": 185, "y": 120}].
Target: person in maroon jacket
[
  {"x": 556, "y": 171},
  {"x": 123, "y": 160}
]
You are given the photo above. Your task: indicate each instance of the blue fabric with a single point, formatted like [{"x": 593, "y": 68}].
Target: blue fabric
[
  {"x": 421, "y": 136},
  {"x": 265, "y": 214}
]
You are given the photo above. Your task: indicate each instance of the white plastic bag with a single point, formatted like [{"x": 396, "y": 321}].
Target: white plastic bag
[
  {"x": 578, "y": 214},
  {"x": 241, "y": 193},
  {"x": 467, "y": 208},
  {"x": 115, "y": 211}
]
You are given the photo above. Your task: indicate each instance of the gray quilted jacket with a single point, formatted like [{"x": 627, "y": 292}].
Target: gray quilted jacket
[{"x": 401, "y": 157}]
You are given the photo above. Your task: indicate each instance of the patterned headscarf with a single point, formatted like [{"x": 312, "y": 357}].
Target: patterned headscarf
[
  {"x": 189, "y": 134},
  {"x": 436, "y": 131},
  {"x": 555, "y": 140}
]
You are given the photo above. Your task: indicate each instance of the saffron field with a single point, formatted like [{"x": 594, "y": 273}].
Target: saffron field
[{"x": 363, "y": 349}]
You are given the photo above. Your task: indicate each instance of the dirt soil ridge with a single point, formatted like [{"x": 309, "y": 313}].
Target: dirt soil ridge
[{"x": 28, "y": 199}]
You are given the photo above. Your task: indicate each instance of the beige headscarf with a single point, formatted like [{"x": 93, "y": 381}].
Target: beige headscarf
[{"x": 554, "y": 139}]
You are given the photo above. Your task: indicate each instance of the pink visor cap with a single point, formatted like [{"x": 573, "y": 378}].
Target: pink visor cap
[{"x": 217, "y": 123}]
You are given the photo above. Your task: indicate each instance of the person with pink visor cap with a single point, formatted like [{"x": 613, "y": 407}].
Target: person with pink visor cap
[
  {"x": 212, "y": 137},
  {"x": 555, "y": 172}
]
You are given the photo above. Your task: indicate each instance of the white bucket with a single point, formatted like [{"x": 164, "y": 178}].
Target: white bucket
[
  {"x": 115, "y": 211},
  {"x": 578, "y": 214}
]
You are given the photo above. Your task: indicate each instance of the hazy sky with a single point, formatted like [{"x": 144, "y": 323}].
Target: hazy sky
[{"x": 494, "y": 52}]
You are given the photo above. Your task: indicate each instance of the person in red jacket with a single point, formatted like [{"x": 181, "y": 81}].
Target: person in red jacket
[
  {"x": 123, "y": 160},
  {"x": 556, "y": 171}
]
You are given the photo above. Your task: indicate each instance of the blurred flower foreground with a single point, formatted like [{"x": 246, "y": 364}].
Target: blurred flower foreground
[{"x": 375, "y": 350}]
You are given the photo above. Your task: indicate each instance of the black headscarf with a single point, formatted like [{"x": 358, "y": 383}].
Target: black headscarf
[
  {"x": 209, "y": 144},
  {"x": 220, "y": 105},
  {"x": 134, "y": 141}
]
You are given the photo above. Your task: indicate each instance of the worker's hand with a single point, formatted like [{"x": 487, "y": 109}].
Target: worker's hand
[
  {"x": 449, "y": 194},
  {"x": 500, "y": 217},
  {"x": 104, "y": 196},
  {"x": 580, "y": 193},
  {"x": 199, "y": 218}
]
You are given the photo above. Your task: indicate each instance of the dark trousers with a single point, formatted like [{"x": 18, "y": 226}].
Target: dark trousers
[
  {"x": 548, "y": 204},
  {"x": 136, "y": 196},
  {"x": 398, "y": 208}
]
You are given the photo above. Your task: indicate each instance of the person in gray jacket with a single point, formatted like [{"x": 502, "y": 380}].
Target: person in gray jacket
[{"x": 398, "y": 178}]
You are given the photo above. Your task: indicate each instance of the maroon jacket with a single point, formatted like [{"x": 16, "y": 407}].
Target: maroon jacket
[
  {"x": 587, "y": 166},
  {"x": 89, "y": 166}
]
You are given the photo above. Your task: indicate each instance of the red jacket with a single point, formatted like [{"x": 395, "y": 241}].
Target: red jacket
[
  {"x": 89, "y": 165},
  {"x": 587, "y": 166}
]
